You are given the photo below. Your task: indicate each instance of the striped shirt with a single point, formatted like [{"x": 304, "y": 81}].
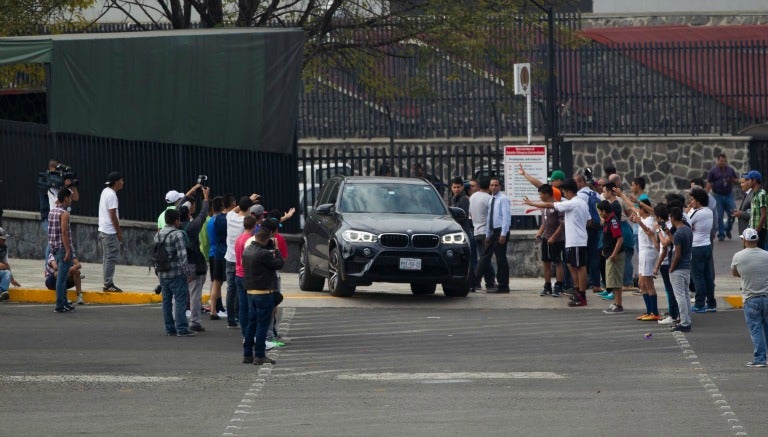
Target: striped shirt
[{"x": 759, "y": 200}]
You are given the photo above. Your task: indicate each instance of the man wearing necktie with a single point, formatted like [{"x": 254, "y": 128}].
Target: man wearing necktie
[{"x": 499, "y": 218}]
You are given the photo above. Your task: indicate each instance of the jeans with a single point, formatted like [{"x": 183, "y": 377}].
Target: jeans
[
  {"x": 502, "y": 264},
  {"x": 679, "y": 279},
  {"x": 5, "y": 280},
  {"x": 196, "y": 297},
  {"x": 273, "y": 321},
  {"x": 44, "y": 226},
  {"x": 61, "y": 278},
  {"x": 231, "y": 294},
  {"x": 175, "y": 289},
  {"x": 593, "y": 258},
  {"x": 674, "y": 312},
  {"x": 110, "y": 248},
  {"x": 242, "y": 299},
  {"x": 703, "y": 276},
  {"x": 725, "y": 204},
  {"x": 756, "y": 314},
  {"x": 259, "y": 313},
  {"x": 628, "y": 270}
]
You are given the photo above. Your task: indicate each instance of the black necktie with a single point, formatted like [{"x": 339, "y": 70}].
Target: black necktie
[{"x": 493, "y": 202}]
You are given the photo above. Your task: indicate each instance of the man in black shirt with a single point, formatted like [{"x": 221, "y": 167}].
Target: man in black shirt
[{"x": 261, "y": 261}]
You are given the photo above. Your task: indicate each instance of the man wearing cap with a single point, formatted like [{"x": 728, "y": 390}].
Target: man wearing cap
[
  {"x": 556, "y": 178},
  {"x": 759, "y": 206},
  {"x": 6, "y": 276},
  {"x": 749, "y": 264},
  {"x": 110, "y": 234},
  {"x": 173, "y": 199}
]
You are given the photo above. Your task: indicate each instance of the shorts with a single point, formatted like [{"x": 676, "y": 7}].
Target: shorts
[
  {"x": 614, "y": 272},
  {"x": 552, "y": 252},
  {"x": 576, "y": 256},
  {"x": 646, "y": 262},
  {"x": 218, "y": 269},
  {"x": 50, "y": 282}
]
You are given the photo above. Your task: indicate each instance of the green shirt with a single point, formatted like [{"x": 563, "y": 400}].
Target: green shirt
[
  {"x": 161, "y": 217},
  {"x": 760, "y": 200}
]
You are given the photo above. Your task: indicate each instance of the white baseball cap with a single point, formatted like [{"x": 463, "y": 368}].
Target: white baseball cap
[
  {"x": 173, "y": 196},
  {"x": 749, "y": 234}
]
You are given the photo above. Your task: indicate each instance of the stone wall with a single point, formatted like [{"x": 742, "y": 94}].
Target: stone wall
[
  {"x": 667, "y": 163},
  {"x": 602, "y": 20}
]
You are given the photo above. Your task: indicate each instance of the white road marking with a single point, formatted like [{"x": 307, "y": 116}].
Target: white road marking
[
  {"x": 57, "y": 379},
  {"x": 446, "y": 376}
]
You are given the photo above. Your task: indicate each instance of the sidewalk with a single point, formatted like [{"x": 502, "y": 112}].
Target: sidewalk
[{"x": 138, "y": 284}]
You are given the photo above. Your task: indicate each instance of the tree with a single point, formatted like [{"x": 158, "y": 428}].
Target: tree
[{"x": 33, "y": 17}]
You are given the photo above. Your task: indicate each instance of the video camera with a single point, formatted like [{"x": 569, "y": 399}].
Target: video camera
[
  {"x": 588, "y": 178},
  {"x": 66, "y": 172},
  {"x": 202, "y": 180}
]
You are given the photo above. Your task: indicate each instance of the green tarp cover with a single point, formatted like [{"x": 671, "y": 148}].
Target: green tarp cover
[
  {"x": 23, "y": 51},
  {"x": 229, "y": 88}
]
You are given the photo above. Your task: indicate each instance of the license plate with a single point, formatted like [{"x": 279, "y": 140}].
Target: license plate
[{"x": 410, "y": 264}]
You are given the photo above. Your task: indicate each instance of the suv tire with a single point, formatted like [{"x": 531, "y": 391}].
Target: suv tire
[
  {"x": 308, "y": 281},
  {"x": 460, "y": 289},
  {"x": 337, "y": 286},
  {"x": 419, "y": 288}
]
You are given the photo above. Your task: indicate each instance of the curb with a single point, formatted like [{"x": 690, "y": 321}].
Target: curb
[
  {"x": 39, "y": 295},
  {"x": 735, "y": 300}
]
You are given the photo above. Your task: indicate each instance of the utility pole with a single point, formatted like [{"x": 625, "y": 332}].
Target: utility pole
[{"x": 553, "y": 129}]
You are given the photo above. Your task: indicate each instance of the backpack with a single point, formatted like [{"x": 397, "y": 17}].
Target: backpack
[
  {"x": 159, "y": 258},
  {"x": 593, "y": 214}
]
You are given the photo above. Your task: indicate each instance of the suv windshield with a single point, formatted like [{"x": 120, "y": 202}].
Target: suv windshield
[{"x": 391, "y": 198}]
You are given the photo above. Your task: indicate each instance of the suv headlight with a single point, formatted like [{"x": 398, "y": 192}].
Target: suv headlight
[
  {"x": 457, "y": 238},
  {"x": 351, "y": 236}
]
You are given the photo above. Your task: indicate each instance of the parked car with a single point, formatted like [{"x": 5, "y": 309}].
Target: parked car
[{"x": 382, "y": 229}]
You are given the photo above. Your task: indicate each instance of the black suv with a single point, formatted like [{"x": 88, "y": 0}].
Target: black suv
[{"x": 379, "y": 229}]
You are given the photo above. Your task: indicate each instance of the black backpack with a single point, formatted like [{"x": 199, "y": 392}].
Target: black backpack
[{"x": 159, "y": 258}]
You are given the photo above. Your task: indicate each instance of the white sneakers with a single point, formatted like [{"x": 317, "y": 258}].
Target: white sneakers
[{"x": 667, "y": 321}]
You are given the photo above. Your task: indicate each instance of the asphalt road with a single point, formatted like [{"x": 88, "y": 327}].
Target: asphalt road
[{"x": 392, "y": 369}]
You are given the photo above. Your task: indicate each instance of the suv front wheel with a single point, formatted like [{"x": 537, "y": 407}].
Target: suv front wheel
[
  {"x": 308, "y": 281},
  {"x": 459, "y": 289},
  {"x": 337, "y": 286}
]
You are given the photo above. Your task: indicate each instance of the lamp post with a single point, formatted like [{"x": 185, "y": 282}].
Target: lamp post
[{"x": 553, "y": 130}]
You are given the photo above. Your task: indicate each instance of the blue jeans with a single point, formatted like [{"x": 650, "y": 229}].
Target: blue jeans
[
  {"x": 242, "y": 299},
  {"x": 259, "y": 314},
  {"x": 756, "y": 314},
  {"x": 703, "y": 276},
  {"x": 175, "y": 318},
  {"x": 725, "y": 204},
  {"x": 628, "y": 270},
  {"x": 61, "y": 278},
  {"x": 5, "y": 280},
  {"x": 674, "y": 312},
  {"x": 231, "y": 294}
]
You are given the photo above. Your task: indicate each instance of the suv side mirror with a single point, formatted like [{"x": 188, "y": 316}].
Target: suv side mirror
[
  {"x": 325, "y": 209},
  {"x": 457, "y": 213}
]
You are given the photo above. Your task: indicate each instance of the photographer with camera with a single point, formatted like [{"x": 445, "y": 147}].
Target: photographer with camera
[{"x": 173, "y": 199}]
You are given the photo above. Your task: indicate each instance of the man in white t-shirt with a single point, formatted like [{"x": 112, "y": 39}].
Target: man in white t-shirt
[
  {"x": 576, "y": 217},
  {"x": 235, "y": 228},
  {"x": 749, "y": 264},
  {"x": 701, "y": 219},
  {"x": 479, "y": 205},
  {"x": 110, "y": 234}
]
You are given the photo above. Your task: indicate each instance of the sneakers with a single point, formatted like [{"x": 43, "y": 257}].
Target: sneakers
[
  {"x": 614, "y": 309},
  {"x": 196, "y": 328},
  {"x": 215, "y": 317},
  {"x": 641, "y": 316},
  {"x": 232, "y": 326},
  {"x": 4, "y": 296},
  {"x": 80, "y": 300},
  {"x": 698, "y": 309},
  {"x": 158, "y": 289},
  {"x": 186, "y": 334},
  {"x": 63, "y": 310},
  {"x": 570, "y": 291},
  {"x": 756, "y": 364},
  {"x": 558, "y": 290},
  {"x": 681, "y": 328},
  {"x": 710, "y": 309},
  {"x": 171, "y": 334},
  {"x": 608, "y": 296},
  {"x": 266, "y": 360},
  {"x": 222, "y": 314},
  {"x": 579, "y": 299},
  {"x": 111, "y": 288},
  {"x": 248, "y": 360},
  {"x": 603, "y": 293},
  {"x": 547, "y": 290},
  {"x": 269, "y": 345},
  {"x": 667, "y": 321},
  {"x": 650, "y": 318}
]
